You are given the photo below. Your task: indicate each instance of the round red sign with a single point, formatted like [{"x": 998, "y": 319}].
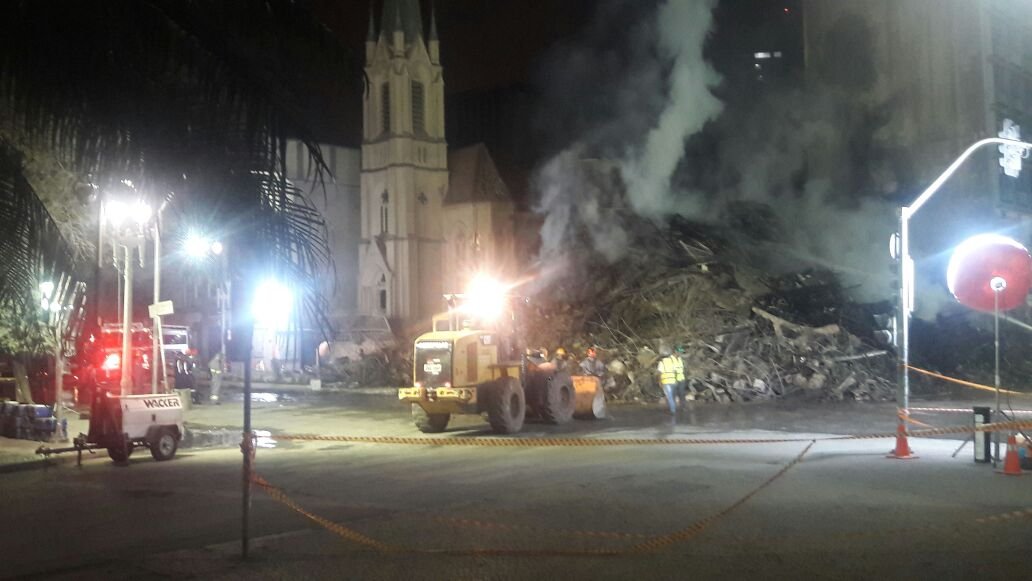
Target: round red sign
[{"x": 985, "y": 265}]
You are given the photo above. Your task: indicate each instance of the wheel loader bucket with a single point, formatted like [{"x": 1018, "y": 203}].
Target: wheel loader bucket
[{"x": 590, "y": 398}]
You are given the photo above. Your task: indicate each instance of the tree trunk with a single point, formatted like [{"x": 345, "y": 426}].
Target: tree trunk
[{"x": 22, "y": 391}]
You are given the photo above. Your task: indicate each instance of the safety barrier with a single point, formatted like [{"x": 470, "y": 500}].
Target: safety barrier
[
  {"x": 637, "y": 543},
  {"x": 970, "y": 384},
  {"x": 642, "y": 544},
  {"x": 523, "y": 442},
  {"x": 648, "y": 545}
]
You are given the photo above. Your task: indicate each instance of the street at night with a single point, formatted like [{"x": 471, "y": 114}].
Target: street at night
[
  {"x": 845, "y": 511},
  {"x": 500, "y": 289}
]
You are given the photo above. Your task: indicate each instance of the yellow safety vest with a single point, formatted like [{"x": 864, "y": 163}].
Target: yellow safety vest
[{"x": 671, "y": 370}]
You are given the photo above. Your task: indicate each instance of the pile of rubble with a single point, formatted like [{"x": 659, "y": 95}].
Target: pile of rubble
[{"x": 747, "y": 335}]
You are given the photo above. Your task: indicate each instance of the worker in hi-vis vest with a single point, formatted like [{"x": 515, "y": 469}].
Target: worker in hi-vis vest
[{"x": 671, "y": 377}]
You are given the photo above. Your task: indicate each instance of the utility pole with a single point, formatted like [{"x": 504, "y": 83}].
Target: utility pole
[
  {"x": 157, "y": 353},
  {"x": 126, "y": 383}
]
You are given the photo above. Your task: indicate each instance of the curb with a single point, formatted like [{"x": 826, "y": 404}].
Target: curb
[{"x": 196, "y": 438}]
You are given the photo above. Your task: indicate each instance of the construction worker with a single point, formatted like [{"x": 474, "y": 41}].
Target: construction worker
[
  {"x": 671, "y": 377},
  {"x": 560, "y": 360},
  {"x": 590, "y": 365}
]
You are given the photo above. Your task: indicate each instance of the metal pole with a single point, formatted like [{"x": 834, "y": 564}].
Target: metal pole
[
  {"x": 996, "y": 376},
  {"x": 126, "y": 383},
  {"x": 906, "y": 283},
  {"x": 247, "y": 446},
  {"x": 223, "y": 306},
  {"x": 156, "y": 352}
]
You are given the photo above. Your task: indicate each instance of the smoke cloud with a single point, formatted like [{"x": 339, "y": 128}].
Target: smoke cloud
[{"x": 647, "y": 135}]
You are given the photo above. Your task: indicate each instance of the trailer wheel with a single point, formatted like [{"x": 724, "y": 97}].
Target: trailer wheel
[
  {"x": 506, "y": 406},
  {"x": 120, "y": 453},
  {"x": 556, "y": 398},
  {"x": 429, "y": 423},
  {"x": 165, "y": 446}
]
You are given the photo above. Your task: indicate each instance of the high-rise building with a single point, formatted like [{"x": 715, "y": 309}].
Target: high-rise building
[{"x": 941, "y": 73}]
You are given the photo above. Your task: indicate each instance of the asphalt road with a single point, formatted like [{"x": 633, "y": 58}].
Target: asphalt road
[{"x": 843, "y": 512}]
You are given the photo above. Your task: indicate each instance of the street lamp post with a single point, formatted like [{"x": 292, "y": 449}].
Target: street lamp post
[
  {"x": 1013, "y": 150},
  {"x": 128, "y": 224}
]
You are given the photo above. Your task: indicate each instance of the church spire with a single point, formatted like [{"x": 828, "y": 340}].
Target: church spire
[
  {"x": 402, "y": 16},
  {"x": 371, "y": 35},
  {"x": 433, "y": 22}
]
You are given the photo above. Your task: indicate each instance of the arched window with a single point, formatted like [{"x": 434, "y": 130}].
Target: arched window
[
  {"x": 385, "y": 107},
  {"x": 418, "y": 108},
  {"x": 382, "y": 293},
  {"x": 384, "y": 199}
]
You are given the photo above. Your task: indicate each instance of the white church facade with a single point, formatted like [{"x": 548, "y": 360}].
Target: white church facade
[{"x": 428, "y": 218}]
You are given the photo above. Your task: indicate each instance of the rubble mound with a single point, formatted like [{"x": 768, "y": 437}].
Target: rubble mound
[{"x": 749, "y": 330}]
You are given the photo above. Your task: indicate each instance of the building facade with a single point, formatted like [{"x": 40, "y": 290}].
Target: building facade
[
  {"x": 944, "y": 73},
  {"x": 424, "y": 228}
]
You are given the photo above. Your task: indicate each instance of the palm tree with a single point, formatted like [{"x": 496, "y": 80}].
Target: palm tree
[{"x": 191, "y": 100}]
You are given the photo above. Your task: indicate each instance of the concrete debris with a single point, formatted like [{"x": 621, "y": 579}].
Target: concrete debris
[{"x": 746, "y": 335}]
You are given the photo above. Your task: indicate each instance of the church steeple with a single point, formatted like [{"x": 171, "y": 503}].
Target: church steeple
[
  {"x": 402, "y": 16},
  {"x": 371, "y": 35},
  {"x": 434, "y": 44}
]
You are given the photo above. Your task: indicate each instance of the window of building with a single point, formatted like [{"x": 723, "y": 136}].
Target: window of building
[
  {"x": 385, "y": 108},
  {"x": 382, "y": 293},
  {"x": 384, "y": 198},
  {"x": 418, "y": 111}
]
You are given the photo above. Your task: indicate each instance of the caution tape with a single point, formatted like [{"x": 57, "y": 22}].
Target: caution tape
[
  {"x": 904, "y": 416},
  {"x": 651, "y": 544},
  {"x": 279, "y": 496},
  {"x": 970, "y": 384},
  {"x": 698, "y": 527},
  {"x": 959, "y": 410},
  {"x": 600, "y": 442}
]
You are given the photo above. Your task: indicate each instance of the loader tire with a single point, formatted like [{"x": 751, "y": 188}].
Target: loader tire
[
  {"x": 556, "y": 399},
  {"x": 429, "y": 423},
  {"x": 506, "y": 406}
]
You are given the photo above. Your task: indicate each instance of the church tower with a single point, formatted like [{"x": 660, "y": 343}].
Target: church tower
[{"x": 404, "y": 169}]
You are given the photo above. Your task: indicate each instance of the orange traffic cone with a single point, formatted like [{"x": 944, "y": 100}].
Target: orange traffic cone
[
  {"x": 902, "y": 451},
  {"x": 1012, "y": 462}
]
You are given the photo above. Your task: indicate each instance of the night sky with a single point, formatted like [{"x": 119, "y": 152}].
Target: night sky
[{"x": 500, "y": 45}]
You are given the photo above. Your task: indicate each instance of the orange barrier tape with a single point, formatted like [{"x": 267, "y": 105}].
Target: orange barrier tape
[
  {"x": 650, "y": 545},
  {"x": 960, "y": 411},
  {"x": 599, "y": 442},
  {"x": 695, "y": 529},
  {"x": 967, "y": 383},
  {"x": 340, "y": 530},
  {"x": 906, "y": 418}
]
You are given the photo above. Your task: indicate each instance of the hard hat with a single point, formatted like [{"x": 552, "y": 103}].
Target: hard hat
[
  {"x": 680, "y": 349},
  {"x": 560, "y": 352},
  {"x": 664, "y": 350}
]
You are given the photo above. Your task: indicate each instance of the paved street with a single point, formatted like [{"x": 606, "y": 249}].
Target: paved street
[{"x": 843, "y": 512}]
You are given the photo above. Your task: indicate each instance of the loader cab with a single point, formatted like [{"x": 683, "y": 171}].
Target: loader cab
[{"x": 454, "y": 358}]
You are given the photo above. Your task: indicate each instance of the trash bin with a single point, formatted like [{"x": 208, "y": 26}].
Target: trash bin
[{"x": 983, "y": 450}]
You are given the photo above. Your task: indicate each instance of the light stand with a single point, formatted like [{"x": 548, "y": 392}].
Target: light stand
[{"x": 998, "y": 284}]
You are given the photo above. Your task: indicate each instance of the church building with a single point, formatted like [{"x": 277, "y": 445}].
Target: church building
[{"x": 430, "y": 218}]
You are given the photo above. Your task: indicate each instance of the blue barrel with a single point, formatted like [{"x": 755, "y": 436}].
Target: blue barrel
[
  {"x": 32, "y": 410},
  {"x": 43, "y": 428}
]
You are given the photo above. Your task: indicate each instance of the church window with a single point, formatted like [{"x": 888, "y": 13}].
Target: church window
[
  {"x": 382, "y": 293},
  {"x": 383, "y": 212},
  {"x": 385, "y": 108},
  {"x": 418, "y": 110}
]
